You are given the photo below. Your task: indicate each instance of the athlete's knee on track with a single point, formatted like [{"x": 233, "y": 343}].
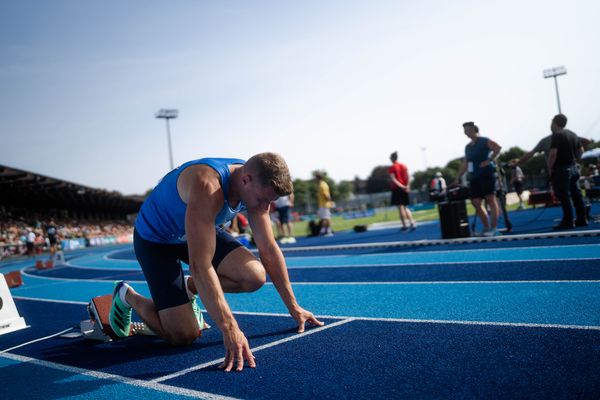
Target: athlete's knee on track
[
  {"x": 254, "y": 278},
  {"x": 182, "y": 335}
]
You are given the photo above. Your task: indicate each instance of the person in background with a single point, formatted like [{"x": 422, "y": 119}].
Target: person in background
[
  {"x": 325, "y": 203},
  {"x": 438, "y": 187},
  {"x": 479, "y": 162},
  {"x": 284, "y": 205},
  {"x": 516, "y": 180},
  {"x": 400, "y": 182},
  {"x": 565, "y": 150}
]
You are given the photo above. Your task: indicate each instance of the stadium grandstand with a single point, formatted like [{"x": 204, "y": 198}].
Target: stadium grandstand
[{"x": 31, "y": 203}]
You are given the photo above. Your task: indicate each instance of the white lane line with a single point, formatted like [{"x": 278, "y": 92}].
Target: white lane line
[
  {"x": 484, "y": 323},
  {"x": 438, "y": 282},
  {"x": 436, "y": 263},
  {"x": 455, "y": 251},
  {"x": 84, "y": 303},
  {"x": 36, "y": 340},
  {"x": 436, "y": 321},
  {"x": 426, "y": 242},
  {"x": 49, "y": 278},
  {"x": 117, "y": 378},
  {"x": 383, "y": 319},
  {"x": 254, "y": 350}
]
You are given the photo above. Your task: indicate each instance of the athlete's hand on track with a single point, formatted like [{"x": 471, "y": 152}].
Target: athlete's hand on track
[
  {"x": 237, "y": 350},
  {"x": 302, "y": 316}
]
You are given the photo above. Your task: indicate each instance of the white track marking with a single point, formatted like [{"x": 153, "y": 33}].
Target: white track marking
[
  {"x": 436, "y": 263},
  {"x": 355, "y": 318},
  {"x": 410, "y": 243},
  {"x": 254, "y": 349},
  {"x": 117, "y": 378},
  {"x": 438, "y": 282},
  {"x": 36, "y": 340}
]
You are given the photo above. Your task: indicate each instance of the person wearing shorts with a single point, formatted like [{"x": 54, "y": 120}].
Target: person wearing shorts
[
  {"x": 400, "y": 186},
  {"x": 479, "y": 161},
  {"x": 179, "y": 222},
  {"x": 516, "y": 178},
  {"x": 325, "y": 203},
  {"x": 283, "y": 206}
]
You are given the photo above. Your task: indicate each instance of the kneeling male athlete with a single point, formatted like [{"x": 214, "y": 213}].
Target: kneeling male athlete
[{"x": 178, "y": 222}]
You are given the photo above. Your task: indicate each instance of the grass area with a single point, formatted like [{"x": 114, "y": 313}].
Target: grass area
[{"x": 387, "y": 215}]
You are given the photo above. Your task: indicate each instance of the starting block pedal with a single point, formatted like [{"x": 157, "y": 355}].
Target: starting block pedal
[
  {"x": 14, "y": 279},
  {"x": 98, "y": 326}
]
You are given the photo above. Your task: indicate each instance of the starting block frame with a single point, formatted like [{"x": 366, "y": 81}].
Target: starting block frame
[
  {"x": 10, "y": 320},
  {"x": 98, "y": 326}
]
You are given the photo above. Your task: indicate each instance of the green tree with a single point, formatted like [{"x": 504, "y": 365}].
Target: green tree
[
  {"x": 379, "y": 180},
  {"x": 302, "y": 195},
  {"x": 511, "y": 154},
  {"x": 344, "y": 190}
]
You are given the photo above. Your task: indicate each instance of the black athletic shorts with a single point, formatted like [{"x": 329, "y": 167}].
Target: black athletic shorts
[
  {"x": 482, "y": 185},
  {"x": 161, "y": 264},
  {"x": 399, "y": 197},
  {"x": 518, "y": 185}
]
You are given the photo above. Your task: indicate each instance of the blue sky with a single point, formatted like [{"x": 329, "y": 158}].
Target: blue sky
[{"x": 334, "y": 85}]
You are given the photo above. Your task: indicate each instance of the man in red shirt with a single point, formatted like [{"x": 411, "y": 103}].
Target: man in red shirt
[{"x": 400, "y": 188}]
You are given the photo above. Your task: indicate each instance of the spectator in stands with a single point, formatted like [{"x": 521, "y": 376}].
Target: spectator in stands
[
  {"x": 51, "y": 232},
  {"x": 479, "y": 162},
  {"x": 400, "y": 186},
  {"x": 565, "y": 150},
  {"x": 104, "y": 232},
  {"x": 30, "y": 241}
]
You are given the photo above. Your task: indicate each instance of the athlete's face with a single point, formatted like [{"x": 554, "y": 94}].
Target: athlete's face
[{"x": 257, "y": 196}]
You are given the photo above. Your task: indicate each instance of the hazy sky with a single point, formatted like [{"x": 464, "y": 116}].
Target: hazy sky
[{"x": 334, "y": 85}]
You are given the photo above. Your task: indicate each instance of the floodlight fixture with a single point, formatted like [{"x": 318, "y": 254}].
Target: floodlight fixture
[
  {"x": 556, "y": 71},
  {"x": 553, "y": 73},
  {"x": 167, "y": 114}
]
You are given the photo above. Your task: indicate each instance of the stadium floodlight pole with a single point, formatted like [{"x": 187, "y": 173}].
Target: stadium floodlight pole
[
  {"x": 168, "y": 114},
  {"x": 553, "y": 73}
]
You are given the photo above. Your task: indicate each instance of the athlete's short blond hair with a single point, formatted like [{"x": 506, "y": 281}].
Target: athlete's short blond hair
[{"x": 272, "y": 170}]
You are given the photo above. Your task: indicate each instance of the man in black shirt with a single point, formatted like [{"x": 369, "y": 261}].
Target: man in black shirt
[{"x": 565, "y": 150}]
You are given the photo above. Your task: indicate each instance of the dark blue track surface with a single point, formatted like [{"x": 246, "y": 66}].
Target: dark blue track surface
[
  {"x": 393, "y": 359},
  {"x": 512, "y": 317},
  {"x": 498, "y": 271}
]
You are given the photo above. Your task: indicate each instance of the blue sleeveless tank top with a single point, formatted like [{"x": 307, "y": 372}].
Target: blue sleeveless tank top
[{"x": 162, "y": 216}]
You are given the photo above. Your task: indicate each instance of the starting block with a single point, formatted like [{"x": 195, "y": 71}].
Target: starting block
[
  {"x": 14, "y": 279},
  {"x": 98, "y": 326},
  {"x": 58, "y": 258},
  {"x": 10, "y": 320}
]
